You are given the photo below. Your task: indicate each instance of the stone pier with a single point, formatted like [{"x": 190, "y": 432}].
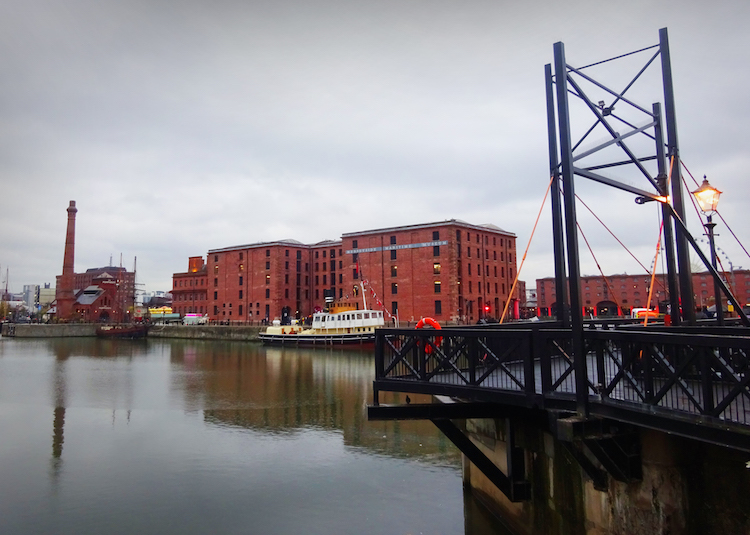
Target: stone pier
[{"x": 688, "y": 487}]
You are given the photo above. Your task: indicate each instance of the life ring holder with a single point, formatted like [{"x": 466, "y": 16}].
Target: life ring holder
[{"x": 422, "y": 323}]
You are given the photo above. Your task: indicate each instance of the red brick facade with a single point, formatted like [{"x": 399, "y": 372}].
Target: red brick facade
[
  {"x": 631, "y": 291},
  {"x": 190, "y": 289},
  {"x": 452, "y": 271},
  {"x": 259, "y": 281},
  {"x": 124, "y": 281}
]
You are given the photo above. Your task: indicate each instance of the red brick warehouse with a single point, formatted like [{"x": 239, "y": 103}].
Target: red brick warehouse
[
  {"x": 190, "y": 289},
  {"x": 452, "y": 271}
]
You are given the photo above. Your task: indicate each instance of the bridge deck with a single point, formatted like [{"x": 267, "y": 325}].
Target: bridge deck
[{"x": 696, "y": 385}]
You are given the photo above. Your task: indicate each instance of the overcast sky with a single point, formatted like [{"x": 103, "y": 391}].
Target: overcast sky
[{"x": 179, "y": 127}]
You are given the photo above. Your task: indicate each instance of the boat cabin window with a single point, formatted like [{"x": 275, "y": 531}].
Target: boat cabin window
[
  {"x": 359, "y": 316},
  {"x": 367, "y": 315}
]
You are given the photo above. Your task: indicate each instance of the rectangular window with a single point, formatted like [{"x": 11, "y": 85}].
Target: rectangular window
[
  {"x": 394, "y": 271},
  {"x": 286, "y": 264},
  {"x": 325, "y": 280},
  {"x": 216, "y": 295},
  {"x": 240, "y": 294},
  {"x": 216, "y": 283},
  {"x": 341, "y": 278},
  {"x": 317, "y": 281},
  {"x": 268, "y": 252},
  {"x": 436, "y": 250},
  {"x": 393, "y": 240},
  {"x": 240, "y": 280},
  {"x": 438, "y": 307},
  {"x": 286, "y": 278},
  {"x": 468, "y": 252},
  {"x": 435, "y": 235},
  {"x": 268, "y": 279},
  {"x": 268, "y": 294},
  {"x": 333, "y": 253},
  {"x": 394, "y": 288},
  {"x": 354, "y": 244},
  {"x": 299, "y": 255},
  {"x": 286, "y": 253},
  {"x": 393, "y": 254},
  {"x": 268, "y": 265},
  {"x": 216, "y": 258},
  {"x": 286, "y": 293},
  {"x": 437, "y": 287},
  {"x": 468, "y": 266},
  {"x": 394, "y": 307},
  {"x": 355, "y": 274},
  {"x": 436, "y": 268},
  {"x": 240, "y": 311}
]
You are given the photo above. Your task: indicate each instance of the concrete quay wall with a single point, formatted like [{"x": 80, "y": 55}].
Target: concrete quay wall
[
  {"x": 52, "y": 330},
  {"x": 207, "y": 332},
  {"x": 195, "y": 332},
  {"x": 687, "y": 487}
]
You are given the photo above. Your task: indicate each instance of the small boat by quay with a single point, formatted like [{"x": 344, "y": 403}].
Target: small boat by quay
[
  {"x": 122, "y": 331},
  {"x": 342, "y": 323},
  {"x": 328, "y": 328}
]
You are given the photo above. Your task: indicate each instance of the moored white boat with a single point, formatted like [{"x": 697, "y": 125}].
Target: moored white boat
[{"x": 340, "y": 324}]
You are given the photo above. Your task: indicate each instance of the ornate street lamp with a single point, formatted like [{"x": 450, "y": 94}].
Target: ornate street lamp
[{"x": 708, "y": 199}]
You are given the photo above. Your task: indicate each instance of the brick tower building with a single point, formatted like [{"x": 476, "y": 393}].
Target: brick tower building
[{"x": 65, "y": 295}]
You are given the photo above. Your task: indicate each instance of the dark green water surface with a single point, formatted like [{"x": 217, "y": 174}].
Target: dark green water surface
[{"x": 102, "y": 436}]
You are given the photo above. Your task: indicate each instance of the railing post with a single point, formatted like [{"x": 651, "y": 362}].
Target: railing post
[
  {"x": 648, "y": 376},
  {"x": 473, "y": 357},
  {"x": 601, "y": 374},
  {"x": 379, "y": 365},
  {"x": 706, "y": 381},
  {"x": 541, "y": 348},
  {"x": 528, "y": 364}
]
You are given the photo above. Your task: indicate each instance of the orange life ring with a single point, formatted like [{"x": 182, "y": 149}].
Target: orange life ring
[{"x": 435, "y": 325}]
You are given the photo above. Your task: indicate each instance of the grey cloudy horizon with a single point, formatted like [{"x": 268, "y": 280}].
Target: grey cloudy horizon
[{"x": 179, "y": 127}]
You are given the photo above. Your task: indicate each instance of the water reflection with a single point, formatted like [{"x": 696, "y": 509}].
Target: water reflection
[
  {"x": 282, "y": 390},
  {"x": 217, "y": 437}
]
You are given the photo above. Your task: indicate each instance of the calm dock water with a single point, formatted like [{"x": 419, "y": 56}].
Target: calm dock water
[{"x": 157, "y": 436}]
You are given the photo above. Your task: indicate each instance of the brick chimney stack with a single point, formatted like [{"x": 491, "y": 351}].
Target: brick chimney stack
[{"x": 65, "y": 296}]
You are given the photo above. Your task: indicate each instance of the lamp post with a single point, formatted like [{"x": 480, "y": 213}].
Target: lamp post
[{"x": 708, "y": 199}]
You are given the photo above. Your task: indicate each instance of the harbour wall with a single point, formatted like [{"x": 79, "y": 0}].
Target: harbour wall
[
  {"x": 52, "y": 330},
  {"x": 687, "y": 487},
  {"x": 207, "y": 332},
  {"x": 196, "y": 332}
]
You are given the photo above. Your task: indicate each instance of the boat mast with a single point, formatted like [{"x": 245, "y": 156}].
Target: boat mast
[{"x": 364, "y": 297}]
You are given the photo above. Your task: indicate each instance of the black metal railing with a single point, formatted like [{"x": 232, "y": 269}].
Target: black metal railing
[{"x": 676, "y": 374}]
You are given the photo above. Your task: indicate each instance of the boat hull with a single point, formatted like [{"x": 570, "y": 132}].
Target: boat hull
[
  {"x": 122, "y": 331},
  {"x": 317, "y": 339}
]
